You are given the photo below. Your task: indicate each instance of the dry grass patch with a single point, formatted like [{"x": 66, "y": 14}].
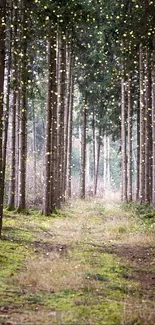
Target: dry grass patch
[
  {"x": 53, "y": 274},
  {"x": 138, "y": 311}
]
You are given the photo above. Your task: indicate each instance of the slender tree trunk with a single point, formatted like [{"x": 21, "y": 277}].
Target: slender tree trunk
[
  {"x": 47, "y": 186},
  {"x": 142, "y": 128},
  {"x": 62, "y": 116},
  {"x": 67, "y": 113},
  {"x": 23, "y": 117},
  {"x": 94, "y": 151},
  {"x": 54, "y": 124},
  {"x": 83, "y": 152},
  {"x": 138, "y": 154},
  {"x": 98, "y": 160},
  {"x": 2, "y": 65},
  {"x": 153, "y": 127},
  {"x": 69, "y": 168},
  {"x": 123, "y": 141},
  {"x": 105, "y": 162},
  {"x": 58, "y": 76},
  {"x": 34, "y": 149},
  {"x": 108, "y": 162},
  {"x": 129, "y": 141},
  {"x": 6, "y": 113},
  {"x": 17, "y": 140},
  {"x": 148, "y": 133}
]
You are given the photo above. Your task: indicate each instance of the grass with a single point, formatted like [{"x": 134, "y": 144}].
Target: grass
[{"x": 78, "y": 267}]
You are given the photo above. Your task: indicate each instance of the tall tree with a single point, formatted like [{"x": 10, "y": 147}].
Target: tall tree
[
  {"x": 142, "y": 126},
  {"x": 123, "y": 139},
  {"x": 2, "y": 65},
  {"x": 129, "y": 141},
  {"x": 83, "y": 151}
]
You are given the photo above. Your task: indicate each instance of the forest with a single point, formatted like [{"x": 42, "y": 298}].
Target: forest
[{"x": 77, "y": 162}]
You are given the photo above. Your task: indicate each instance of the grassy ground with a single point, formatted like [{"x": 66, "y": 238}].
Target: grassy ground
[{"x": 91, "y": 264}]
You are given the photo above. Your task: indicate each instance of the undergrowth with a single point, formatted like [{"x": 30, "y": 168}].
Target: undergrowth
[{"x": 68, "y": 268}]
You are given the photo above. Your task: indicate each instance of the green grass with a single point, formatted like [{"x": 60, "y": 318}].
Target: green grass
[{"x": 88, "y": 283}]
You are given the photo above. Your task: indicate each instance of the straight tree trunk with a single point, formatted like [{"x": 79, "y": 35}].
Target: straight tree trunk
[
  {"x": 67, "y": 113},
  {"x": 62, "y": 116},
  {"x": 54, "y": 124},
  {"x": 94, "y": 151},
  {"x": 12, "y": 185},
  {"x": 153, "y": 127},
  {"x": 8, "y": 87},
  {"x": 83, "y": 152},
  {"x": 138, "y": 154},
  {"x": 98, "y": 160},
  {"x": 34, "y": 149},
  {"x": 2, "y": 65},
  {"x": 142, "y": 128},
  {"x": 105, "y": 162},
  {"x": 123, "y": 140},
  {"x": 148, "y": 133},
  {"x": 108, "y": 162},
  {"x": 23, "y": 116},
  {"x": 47, "y": 186},
  {"x": 69, "y": 164},
  {"x": 129, "y": 141}
]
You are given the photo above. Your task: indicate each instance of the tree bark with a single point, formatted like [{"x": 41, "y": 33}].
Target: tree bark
[
  {"x": 69, "y": 163},
  {"x": 8, "y": 87},
  {"x": 129, "y": 141},
  {"x": 153, "y": 126},
  {"x": 2, "y": 65},
  {"x": 105, "y": 162},
  {"x": 83, "y": 152},
  {"x": 54, "y": 124},
  {"x": 138, "y": 154},
  {"x": 94, "y": 151},
  {"x": 47, "y": 186},
  {"x": 142, "y": 127},
  {"x": 62, "y": 126},
  {"x": 12, "y": 185},
  {"x": 148, "y": 133},
  {"x": 98, "y": 160},
  {"x": 123, "y": 140},
  {"x": 23, "y": 116}
]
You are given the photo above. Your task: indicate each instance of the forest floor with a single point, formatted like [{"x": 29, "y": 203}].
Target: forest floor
[{"x": 91, "y": 264}]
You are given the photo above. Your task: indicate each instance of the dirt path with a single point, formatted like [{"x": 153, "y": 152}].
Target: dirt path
[{"x": 93, "y": 264}]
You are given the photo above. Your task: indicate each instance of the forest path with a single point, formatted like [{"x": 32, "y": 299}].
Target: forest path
[{"x": 92, "y": 263}]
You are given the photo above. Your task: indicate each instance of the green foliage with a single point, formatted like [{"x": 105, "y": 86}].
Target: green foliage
[{"x": 137, "y": 208}]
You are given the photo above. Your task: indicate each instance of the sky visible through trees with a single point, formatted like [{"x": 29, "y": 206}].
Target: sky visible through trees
[{"x": 77, "y": 101}]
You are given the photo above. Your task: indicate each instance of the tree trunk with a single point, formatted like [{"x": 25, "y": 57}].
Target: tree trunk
[
  {"x": 142, "y": 128},
  {"x": 94, "y": 151},
  {"x": 98, "y": 160},
  {"x": 8, "y": 87},
  {"x": 83, "y": 152},
  {"x": 2, "y": 65},
  {"x": 123, "y": 141},
  {"x": 105, "y": 162},
  {"x": 69, "y": 164},
  {"x": 108, "y": 162},
  {"x": 54, "y": 124},
  {"x": 47, "y": 186},
  {"x": 61, "y": 118},
  {"x": 23, "y": 116},
  {"x": 34, "y": 149},
  {"x": 148, "y": 133},
  {"x": 67, "y": 113},
  {"x": 153, "y": 127},
  {"x": 138, "y": 154},
  {"x": 12, "y": 185},
  {"x": 129, "y": 141}
]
